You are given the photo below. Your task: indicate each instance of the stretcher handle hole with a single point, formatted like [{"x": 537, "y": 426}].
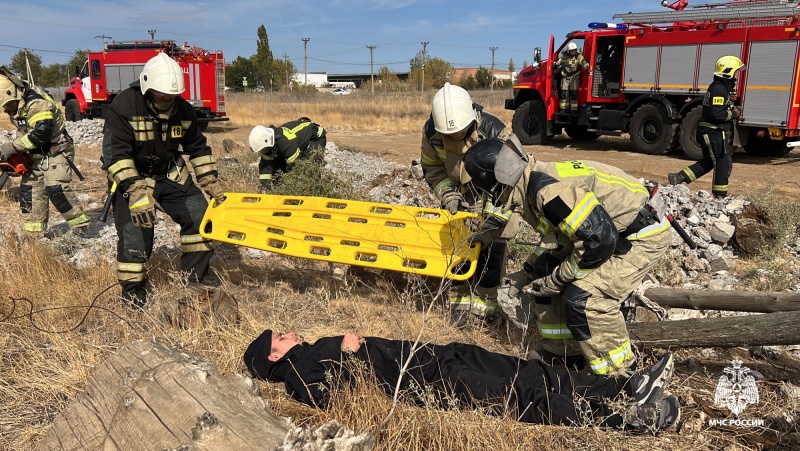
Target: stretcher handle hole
[
  {"x": 324, "y": 251},
  {"x": 336, "y": 205},
  {"x": 380, "y": 210}
]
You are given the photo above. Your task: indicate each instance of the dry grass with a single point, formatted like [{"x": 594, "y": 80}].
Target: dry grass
[{"x": 46, "y": 357}]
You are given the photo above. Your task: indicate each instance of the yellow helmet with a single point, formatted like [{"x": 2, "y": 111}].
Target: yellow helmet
[
  {"x": 8, "y": 91},
  {"x": 727, "y": 66}
]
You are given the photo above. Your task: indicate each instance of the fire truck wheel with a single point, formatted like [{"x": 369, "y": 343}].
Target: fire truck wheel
[
  {"x": 530, "y": 123},
  {"x": 652, "y": 132},
  {"x": 763, "y": 146},
  {"x": 580, "y": 133},
  {"x": 72, "y": 110},
  {"x": 689, "y": 145}
]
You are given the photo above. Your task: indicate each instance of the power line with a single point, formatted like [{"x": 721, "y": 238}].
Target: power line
[{"x": 36, "y": 50}]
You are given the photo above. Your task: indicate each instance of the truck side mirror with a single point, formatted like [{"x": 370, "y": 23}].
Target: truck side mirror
[{"x": 537, "y": 54}]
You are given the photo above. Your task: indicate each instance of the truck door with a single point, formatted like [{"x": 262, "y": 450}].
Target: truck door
[
  {"x": 607, "y": 67},
  {"x": 86, "y": 83}
]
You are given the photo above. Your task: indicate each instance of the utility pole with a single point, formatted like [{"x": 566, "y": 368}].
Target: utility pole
[
  {"x": 305, "y": 59},
  {"x": 371, "y": 72},
  {"x": 492, "y": 82},
  {"x": 104, "y": 37},
  {"x": 424, "y": 46},
  {"x": 152, "y": 34},
  {"x": 286, "y": 65}
]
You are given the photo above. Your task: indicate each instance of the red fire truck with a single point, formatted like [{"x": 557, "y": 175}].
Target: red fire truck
[
  {"x": 111, "y": 71},
  {"x": 649, "y": 72}
]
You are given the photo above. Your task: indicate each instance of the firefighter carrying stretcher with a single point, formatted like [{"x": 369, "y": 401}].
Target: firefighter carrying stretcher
[{"x": 601, "y": 234}]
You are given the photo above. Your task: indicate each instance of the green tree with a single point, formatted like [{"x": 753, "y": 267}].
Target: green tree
[
  {"x": 78, "y": 59},
  {"x": 54, "y": 76},
  {"x": 524, "y": 64},
  {"x": 511, "y": 66},
  {"x": 263, "y": 60},
  {"x": 437, "y": 71},
  {"x": 18, "y": 65},
  {"x": 483, "y": 77},
  {"x": 283, "y": 71},
  {"x": 237, "y": 71},
  {"x": 468, "y": 82}
]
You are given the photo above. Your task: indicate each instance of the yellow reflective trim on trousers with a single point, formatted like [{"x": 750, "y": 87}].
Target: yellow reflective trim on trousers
[
  {"x": 719, "y": 187},
  {"x": 80, "y": 219},
  {"x": 42, "y": 116},
  {"x": 131, "y": 272},
  {"x": 555, "y": 331},
  {"x": 653, "y": 229},
  {"x": 579, "y": 169},
  {"x": 292, "y": 133},
  {"x": 606, "y": 364},
  {"x": 475, "y": 303},
  {"x": 130, "y": 267},
  {"x": 443, "y": 186},
  {"x": 195, "y": 238},
  {"x": 34, "y": 226},
  {"x": 294, "y": 156},
  {"x": 265, "y": 176},
  {"x": 197, "y": 247},
  {"x": 690, "y": 175},
  {"x": 579, "y": 214}
]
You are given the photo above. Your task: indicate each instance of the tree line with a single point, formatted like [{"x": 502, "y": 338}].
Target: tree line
[{"x": 50, "y": 76}]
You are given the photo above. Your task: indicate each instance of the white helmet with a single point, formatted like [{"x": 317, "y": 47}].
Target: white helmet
[
  {"x": 452, "y": 109},
  {"x": 572, "y": 46},
  {"x": 8, "y": 91},
  {"x": 162, "y": 74},
  {"x": 261, "y": 137}
]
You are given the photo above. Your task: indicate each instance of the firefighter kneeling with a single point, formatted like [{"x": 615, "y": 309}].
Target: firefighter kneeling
[
  {"x": 144, "y": 128},
  {"x": 600, "y": 237}
]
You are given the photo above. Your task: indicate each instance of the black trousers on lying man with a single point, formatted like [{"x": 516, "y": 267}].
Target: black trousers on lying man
[{"x": 473, "y": 376}]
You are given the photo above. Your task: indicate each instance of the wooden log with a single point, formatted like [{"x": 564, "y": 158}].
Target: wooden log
[
  {"x": 752, "y": 330},
  {"x": 740, "y": 301},
  {"x": 150, "y": 397}
]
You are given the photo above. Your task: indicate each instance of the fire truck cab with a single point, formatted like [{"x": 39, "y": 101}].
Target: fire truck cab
[
  {"x": 105, "y": 74},
  {"x": 648, "y": 75}
]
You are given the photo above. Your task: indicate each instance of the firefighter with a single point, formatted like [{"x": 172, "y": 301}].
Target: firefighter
[
  {"x": 43, "y": 136},
  {"x": 465, "y": 376},
  {"x": 715, "y": 131},
  {"x": 601, "y": 234},
  {"x": 148, "y": 128},
  {"x": 569, "y": 67},
  {"x": 280, "y": 147},
  {"x": 455, "y": 124}
]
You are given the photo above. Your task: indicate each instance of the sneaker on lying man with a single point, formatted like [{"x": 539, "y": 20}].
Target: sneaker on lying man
[{"x": 647, "y": 385}]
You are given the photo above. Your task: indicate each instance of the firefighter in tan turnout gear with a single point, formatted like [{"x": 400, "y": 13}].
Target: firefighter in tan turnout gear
[
  {"x": 569, "y": 67},
  {"x": 43, "y": 137},
  {"x": 455, "y": 124},
  {"x": 148, "y": 129},
  {"x": 601, "y": 234},
  {"x": 280, "y": 147},
  {"x": 715, "y": 132}
]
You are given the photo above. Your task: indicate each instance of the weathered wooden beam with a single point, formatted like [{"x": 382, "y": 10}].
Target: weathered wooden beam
[
  {"x": 753, "y": 330},
  {"x": 739, "y": 301}
]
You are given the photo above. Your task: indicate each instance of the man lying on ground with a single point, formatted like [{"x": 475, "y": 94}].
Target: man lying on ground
[{"x": 475, "y": 377}]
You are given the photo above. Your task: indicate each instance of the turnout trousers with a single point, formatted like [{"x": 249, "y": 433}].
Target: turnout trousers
[
  {"x": 586, "y": 319},
  {"x": 717, "y": 156},
  {"x": 135, "y": 244},
  {"x": 48, "y": 181}
]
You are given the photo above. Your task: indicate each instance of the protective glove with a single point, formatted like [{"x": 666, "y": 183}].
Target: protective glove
[
  {"x": 489, "y": 228},
  {"x": 516, "y": 281},
  {"x": 545, "y": 287},
  {"x": 6, "y": 150},
  {"x": 142, "y": 204},
  {"x": 737, "y": 111},
  {"x": 451, "y": 201},
  {"x": 212, "y": 187}
]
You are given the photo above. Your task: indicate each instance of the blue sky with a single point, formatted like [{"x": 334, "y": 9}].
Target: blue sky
[{"x": 460, "y": 32}]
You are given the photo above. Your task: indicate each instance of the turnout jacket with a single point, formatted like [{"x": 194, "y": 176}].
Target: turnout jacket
[
  {"x": 580, "y": 208},
  {"x": 292, "y": 141},
  {"x": 717, "y": 105},
  {"x": 40, "y": 123},
  {"x": 570, "y": 66},
  {"x": 442, "y": 156},
  {"x": 137, "y": 144}
]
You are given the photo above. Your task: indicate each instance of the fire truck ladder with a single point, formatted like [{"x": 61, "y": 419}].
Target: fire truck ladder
[{"x": 719, "y": 11}]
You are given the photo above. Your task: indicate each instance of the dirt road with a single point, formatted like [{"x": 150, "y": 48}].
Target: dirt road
[{"x": 750, "y": 174}]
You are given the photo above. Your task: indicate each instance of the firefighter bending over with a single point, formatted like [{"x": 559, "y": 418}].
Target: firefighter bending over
[
  {"x": 601, "y": 234},
  {"x": 569, "y": 66},
  {"x": 43, "y": 136},
  {"x": 147, "y": 130},
  {"x": 715, "y": 132},
  {"x": 280, "y": 147},
  {"x": 455, "y": 124}
]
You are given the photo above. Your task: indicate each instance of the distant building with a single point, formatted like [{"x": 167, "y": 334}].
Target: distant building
[
  {"x": 317, "y": 79},
  {"x": 464, "y": 72}
]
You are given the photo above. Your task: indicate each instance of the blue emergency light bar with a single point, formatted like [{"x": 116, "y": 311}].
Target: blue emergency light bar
[{"x": 606, "y": 26}]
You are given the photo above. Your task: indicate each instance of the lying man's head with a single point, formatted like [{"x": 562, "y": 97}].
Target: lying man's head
[{"x": 267, "y": 350}]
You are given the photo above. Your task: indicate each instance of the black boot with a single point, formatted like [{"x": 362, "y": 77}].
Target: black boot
[
  {"x": 135, "y": 298},
  {"x": 676, "y": 178}
]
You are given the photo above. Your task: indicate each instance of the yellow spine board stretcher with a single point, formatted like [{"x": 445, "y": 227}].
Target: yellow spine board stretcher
[{"x": 423, "y": 241}]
